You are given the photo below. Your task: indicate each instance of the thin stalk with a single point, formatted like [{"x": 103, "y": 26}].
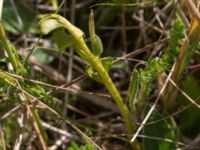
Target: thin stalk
[
  {"x": 106, "y": 80},
  {"x": 37, "y": 125},
  {"x": 96, "y": 63},
  {"x": 91, "y": 24},
  {"x": 2, "y": 138},
  {"x": 8, "y": 48}
]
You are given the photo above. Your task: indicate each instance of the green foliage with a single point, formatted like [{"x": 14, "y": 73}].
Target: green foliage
[
  {"x": 157, "y": 65},
  {"x": 62, "y": 39},
  {"x": 11, "y": 51},
  {"x": 188, "y": 50},
  {"x": 189, "y": 119},
  {"x": 9, "y": 90},
  {"x": 52, "y": 22},
  {"x": 96, "y": 42},
  {"x": 10, "y": 128},
  {"x": 41, "y": 54},
  {"x": 133, "y": 89},
  {"x": 97, "y": 48},
  {"x": 75, "y": 146},
  {"x": 92, "y": 73},
  {"x": 176, "y": 34},
  {"x": 48, "y": 25},
  {"x": 163, "y": 129},
  {"x": 119, "y": 1},
  {"x": 65, "y": 35},
  {"x": 107, "y": 64},
  {"x": 24, "y": 21},
  {"x": 97, "y": 45}
]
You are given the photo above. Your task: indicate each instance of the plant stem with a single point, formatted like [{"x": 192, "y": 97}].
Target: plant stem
[
  {"x": 8, "y": 48},
  {"x": 96, "y": 63}
]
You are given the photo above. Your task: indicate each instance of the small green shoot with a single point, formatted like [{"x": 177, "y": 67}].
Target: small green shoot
[
  {"x": 97, "y": 45},
  {"x": 133, "y": 89}
]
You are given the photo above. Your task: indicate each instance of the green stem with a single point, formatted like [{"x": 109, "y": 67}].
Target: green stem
[
  {"x": 96, "y": 63},
  {"x": 8, "y": 48}
]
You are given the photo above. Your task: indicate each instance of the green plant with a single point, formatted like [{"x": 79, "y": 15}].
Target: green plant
[
  {"x": 29, "y": 101},
  {"x": 12, "y": 88},
  {"x": 98, "y": 68},
  {"x": 186, "y": 52},
  {"x": 142, "y": 79}
]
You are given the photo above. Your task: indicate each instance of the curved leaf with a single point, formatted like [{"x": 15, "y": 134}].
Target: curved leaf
[
  {"x": 62, "y": 39},
  {"x": 107, "y": 63},
  {"x": 133, "y": 88},
  {"x": 92, "y": 73},
  {"x": 53, "y": 21},
  {"x": 48, "y": 25},
  {"x": 97, "y": 45}
]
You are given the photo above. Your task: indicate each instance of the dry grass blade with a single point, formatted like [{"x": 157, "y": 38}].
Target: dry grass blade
[
  {"x": 184, "y": 94},
  {"x": 192, "y": 8},
  {"x": 21, "y": 122},
  {"x": 57, "y": 114},
  {"x": 2, "y": 138},
  {"x": 161, "y": 139},
  {"x": 33, "y": 117},
  {"x": 73, "y": 126},
  {"x": 57, "y": 130},
  {"x": 59, "y": 142},
  {"x": 10, "y": 112},
  {"x": 75, "y": 91},
  {"x": 37, "y": 129}
]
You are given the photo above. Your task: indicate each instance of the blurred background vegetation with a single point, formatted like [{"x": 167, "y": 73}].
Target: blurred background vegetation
[{"x": 133, "y": 32}]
